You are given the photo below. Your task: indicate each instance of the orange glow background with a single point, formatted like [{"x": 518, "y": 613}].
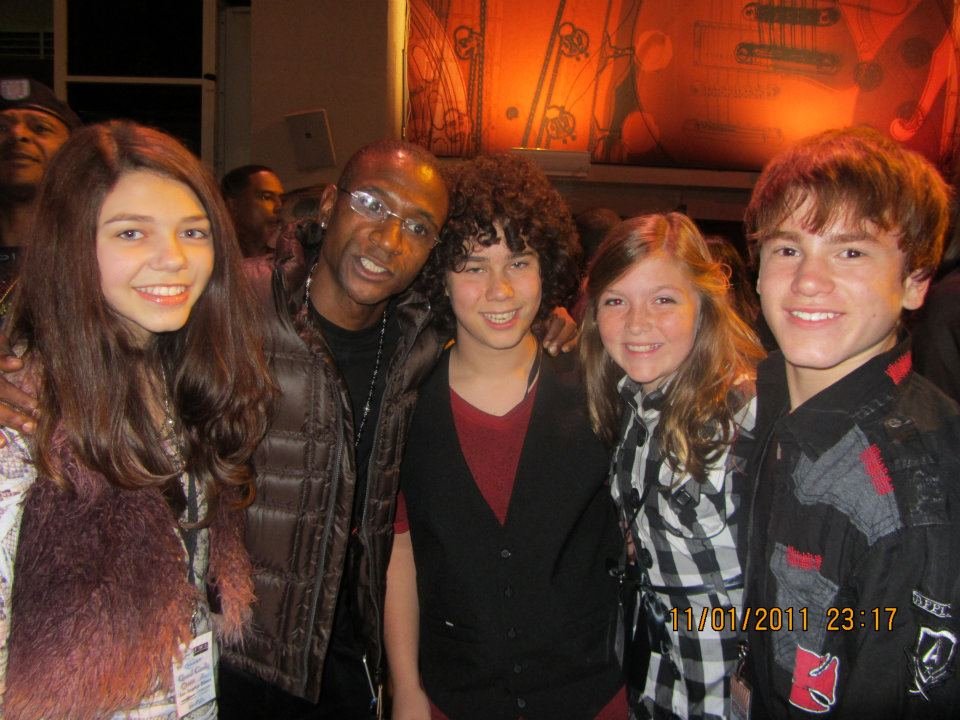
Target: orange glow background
[{"x": 698, "y": 83}]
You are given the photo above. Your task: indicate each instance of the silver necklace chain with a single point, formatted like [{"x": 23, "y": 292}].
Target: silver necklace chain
[
  {"x": 170, "y": 432},
  {"x": 373, "y": 381},
  {"x": 368, "y": 404}
]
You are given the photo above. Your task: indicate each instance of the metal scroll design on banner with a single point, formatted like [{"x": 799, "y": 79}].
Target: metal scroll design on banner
[
  {"x": 567, "y": 40},
  {"x": 445, "y": 104}
]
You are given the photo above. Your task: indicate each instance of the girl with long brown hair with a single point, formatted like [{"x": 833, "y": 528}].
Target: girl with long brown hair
[
  {"x": 669, "y": 369},
  {"x": 122, "y": 557}
]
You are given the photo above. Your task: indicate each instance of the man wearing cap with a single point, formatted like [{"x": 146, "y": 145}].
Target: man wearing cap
[{"x": 33, "y": 126}]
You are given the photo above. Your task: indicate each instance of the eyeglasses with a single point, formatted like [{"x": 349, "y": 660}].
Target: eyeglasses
[{"x": 373, "y": 208}]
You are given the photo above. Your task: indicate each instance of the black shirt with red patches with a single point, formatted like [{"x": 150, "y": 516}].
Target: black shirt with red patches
[{"x": 854, "y": 527}]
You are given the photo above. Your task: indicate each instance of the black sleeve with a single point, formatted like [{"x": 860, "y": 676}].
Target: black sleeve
[
  {"x": 902, "y": 653},
  {"x": 936, "y": 337}
]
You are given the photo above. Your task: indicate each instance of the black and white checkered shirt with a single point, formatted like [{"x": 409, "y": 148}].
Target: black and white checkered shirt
[{"x": 689, "y": 529}]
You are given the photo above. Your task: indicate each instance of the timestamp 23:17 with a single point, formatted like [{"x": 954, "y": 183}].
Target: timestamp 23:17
[{"x": 775, "y": 619}]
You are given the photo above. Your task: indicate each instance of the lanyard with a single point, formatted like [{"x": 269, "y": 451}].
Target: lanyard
[{"x": 189, "y": 534}]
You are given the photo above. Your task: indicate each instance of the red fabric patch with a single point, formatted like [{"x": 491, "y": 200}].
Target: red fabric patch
[
  {"x": 814, "y": 681},
  {"x": 899, "y": 368},
  {"x": 873, "y": 464},
  {"x": 803, "y": 560}
]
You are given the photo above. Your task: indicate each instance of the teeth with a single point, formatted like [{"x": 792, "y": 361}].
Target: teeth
[
  {"x": 643, "y": 348},
  {"x": 163, "y": 290},
  {"x": 371, "y": 266},
  {"x": 813, "y": 316},
  {"x": 500, "y": 318}
]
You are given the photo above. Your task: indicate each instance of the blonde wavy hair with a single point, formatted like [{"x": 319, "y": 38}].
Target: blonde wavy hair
[{"x": 697, "y": 421}]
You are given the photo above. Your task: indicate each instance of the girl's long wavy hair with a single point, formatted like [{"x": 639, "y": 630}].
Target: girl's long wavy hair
[
  {"x": 697, "y": 420},
  {"x": 94, "y": 388}
]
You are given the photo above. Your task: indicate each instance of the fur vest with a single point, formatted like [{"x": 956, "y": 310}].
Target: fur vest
[{"x": 101, "y": 599}]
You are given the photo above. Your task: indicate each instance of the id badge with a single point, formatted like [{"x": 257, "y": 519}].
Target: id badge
[{"x": 193, "y": 681}]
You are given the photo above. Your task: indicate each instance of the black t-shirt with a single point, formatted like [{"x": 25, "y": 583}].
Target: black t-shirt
[{"x": 355, "y": 354}]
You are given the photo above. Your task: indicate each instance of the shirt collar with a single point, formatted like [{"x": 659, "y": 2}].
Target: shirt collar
[
  {"x": 632, "y": 394},
  {"x": 818, "y": 423}
]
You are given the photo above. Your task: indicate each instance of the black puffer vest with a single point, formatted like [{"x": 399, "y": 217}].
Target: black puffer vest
[{"x": 298, "y": 527}]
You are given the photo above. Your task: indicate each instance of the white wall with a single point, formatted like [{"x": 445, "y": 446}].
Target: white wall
[
  {"x": 332, "y": 54},
  {"x": 233, "y": 90}
]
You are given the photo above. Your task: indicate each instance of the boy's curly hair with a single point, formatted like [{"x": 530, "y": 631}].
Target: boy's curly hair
[{"x": 515, "y": 193}]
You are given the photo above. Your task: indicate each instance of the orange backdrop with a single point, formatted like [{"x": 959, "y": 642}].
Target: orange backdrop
[{"x": 697, "y": 83}]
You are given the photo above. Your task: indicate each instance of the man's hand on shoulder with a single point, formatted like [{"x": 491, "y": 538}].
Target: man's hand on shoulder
[
  {"x": 560, "y": 332},
  {"x": 17, "y": 409}
]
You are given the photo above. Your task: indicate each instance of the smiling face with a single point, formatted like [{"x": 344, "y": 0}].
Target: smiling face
[
  {"x": 154, "y": 250},
  {"x": 364, "y": 262},
  {"x": 833, "y": 299},
  {"x": 647, "y": 319},
  {"x": 28, "y": 140},
  {"x": 495, "y": 297}
]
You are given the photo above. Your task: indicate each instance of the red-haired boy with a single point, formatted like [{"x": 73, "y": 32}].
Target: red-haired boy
[{"x": 853, "y": 542}]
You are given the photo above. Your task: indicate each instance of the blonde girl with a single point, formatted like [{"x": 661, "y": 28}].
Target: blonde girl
[{"x": 668, "y": 368}]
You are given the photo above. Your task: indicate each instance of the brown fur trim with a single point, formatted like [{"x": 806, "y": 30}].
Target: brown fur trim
[
  {"x": 101, "y": 601},
  {"x": 230, "y": 571}
]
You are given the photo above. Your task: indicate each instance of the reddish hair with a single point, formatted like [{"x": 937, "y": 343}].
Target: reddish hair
[{"x": 859, "y": 174}]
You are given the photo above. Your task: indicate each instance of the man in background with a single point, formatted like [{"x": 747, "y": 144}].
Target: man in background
[
  {"x": 254, "y": 196},
  {"x": 33, "y": 126}
]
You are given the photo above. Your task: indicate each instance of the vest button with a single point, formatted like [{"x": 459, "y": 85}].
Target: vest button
[
  {"x": 505, "y": 553},
  {"x": 508, "y": 592},
  {"x": 512, "y": 633},
  {"x": 521, "y": 703},
  {"x": 517, "y": 668}
]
